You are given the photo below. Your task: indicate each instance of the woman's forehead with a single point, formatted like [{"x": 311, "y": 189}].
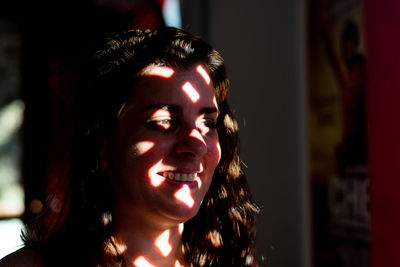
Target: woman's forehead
[
  {"x": 196, "y": 71},
  {"x": 161, "y": 85},
  {"x": 193, "y": 81}
]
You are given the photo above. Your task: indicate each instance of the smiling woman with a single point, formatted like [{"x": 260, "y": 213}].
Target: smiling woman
[{"x": 155, "y": 177}]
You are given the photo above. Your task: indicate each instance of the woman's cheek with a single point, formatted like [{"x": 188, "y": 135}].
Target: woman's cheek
[
  {"x": 143, "y": 147},
  {"x": 215, "y": 152}
]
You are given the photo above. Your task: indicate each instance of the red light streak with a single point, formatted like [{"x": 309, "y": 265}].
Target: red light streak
[
  {"x": 185, "y": 196},
  {"x": 204, "y": 74},
  {"x": 191, "y": 92}
]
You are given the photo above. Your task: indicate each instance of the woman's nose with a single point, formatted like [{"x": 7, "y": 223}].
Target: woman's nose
[{"x": 191, "y": 144}]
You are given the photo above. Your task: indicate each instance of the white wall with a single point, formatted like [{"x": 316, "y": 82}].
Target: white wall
[{"x": 262, "y": 43}]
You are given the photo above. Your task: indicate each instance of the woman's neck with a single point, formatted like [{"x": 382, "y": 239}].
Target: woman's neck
[{"x": 146, "y": 244}]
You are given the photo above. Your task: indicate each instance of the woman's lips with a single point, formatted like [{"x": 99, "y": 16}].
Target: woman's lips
[{"x": 180, "y": 176}]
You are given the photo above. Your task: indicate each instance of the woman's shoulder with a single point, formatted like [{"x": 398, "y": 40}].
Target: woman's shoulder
[{"x": 22, "y": 257}]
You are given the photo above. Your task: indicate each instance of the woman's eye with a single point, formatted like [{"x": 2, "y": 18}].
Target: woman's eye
[
  {"x": 162, "y": 124},
  {"x": 208, "y": 125}
]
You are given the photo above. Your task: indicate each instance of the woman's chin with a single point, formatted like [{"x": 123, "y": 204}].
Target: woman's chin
[{"x": 180, "y": 212}]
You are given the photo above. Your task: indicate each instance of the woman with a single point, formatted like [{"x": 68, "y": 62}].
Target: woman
[{"x": 155, "y": 177}]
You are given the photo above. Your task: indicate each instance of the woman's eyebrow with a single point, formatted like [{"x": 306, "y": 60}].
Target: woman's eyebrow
[
  {"x": 167, "y": 107},
  {"x": 177, "y": 108},
  {"x": 208, "y": 110}
]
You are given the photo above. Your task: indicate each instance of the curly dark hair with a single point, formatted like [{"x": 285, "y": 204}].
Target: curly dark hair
[{"x": 221, "y": 234}]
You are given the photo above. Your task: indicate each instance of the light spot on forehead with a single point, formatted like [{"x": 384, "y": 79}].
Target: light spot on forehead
[
  {"x": 160, "y": 71},
  {"x": 203, "y": 74},
  {"x": 191, "y": 92}
]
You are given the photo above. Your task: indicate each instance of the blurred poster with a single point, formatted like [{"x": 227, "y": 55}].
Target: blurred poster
[{"x": 337, "y": 133}]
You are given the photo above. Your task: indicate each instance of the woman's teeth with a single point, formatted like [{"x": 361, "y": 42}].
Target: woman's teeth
[{"x": 181, "y": 177}]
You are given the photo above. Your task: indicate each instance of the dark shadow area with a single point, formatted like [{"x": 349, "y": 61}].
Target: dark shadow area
[{"x": 57, "y": 39}]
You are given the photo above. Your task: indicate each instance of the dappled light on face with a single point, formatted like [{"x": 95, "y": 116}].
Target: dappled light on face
[
  {"x": 198, "y": 181},
  {"x": 143, "y": 147},
  {"x": 185, "y": 196},
  {"x": 180, "y": 228},
  {"x": 203, "y": 74},
  {"x": 219, "y": 151},
  {"x": 178, "y": 264},
  {"x": 161, "y": 118},
  {"x": 160, "y": 71},
  {"x": 161, "y": 113},
  {"x": 196, "y": 134},
  {"x": 162, "y": 243},
  {"x": 215, "y": 102},
  {"x": 156, "y": 179},
  {"x": 191, "y": 92},
  {"x": 142, "y": 262}
]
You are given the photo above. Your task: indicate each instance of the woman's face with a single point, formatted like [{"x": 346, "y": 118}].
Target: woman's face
[{"x": 165, "y": 147}]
